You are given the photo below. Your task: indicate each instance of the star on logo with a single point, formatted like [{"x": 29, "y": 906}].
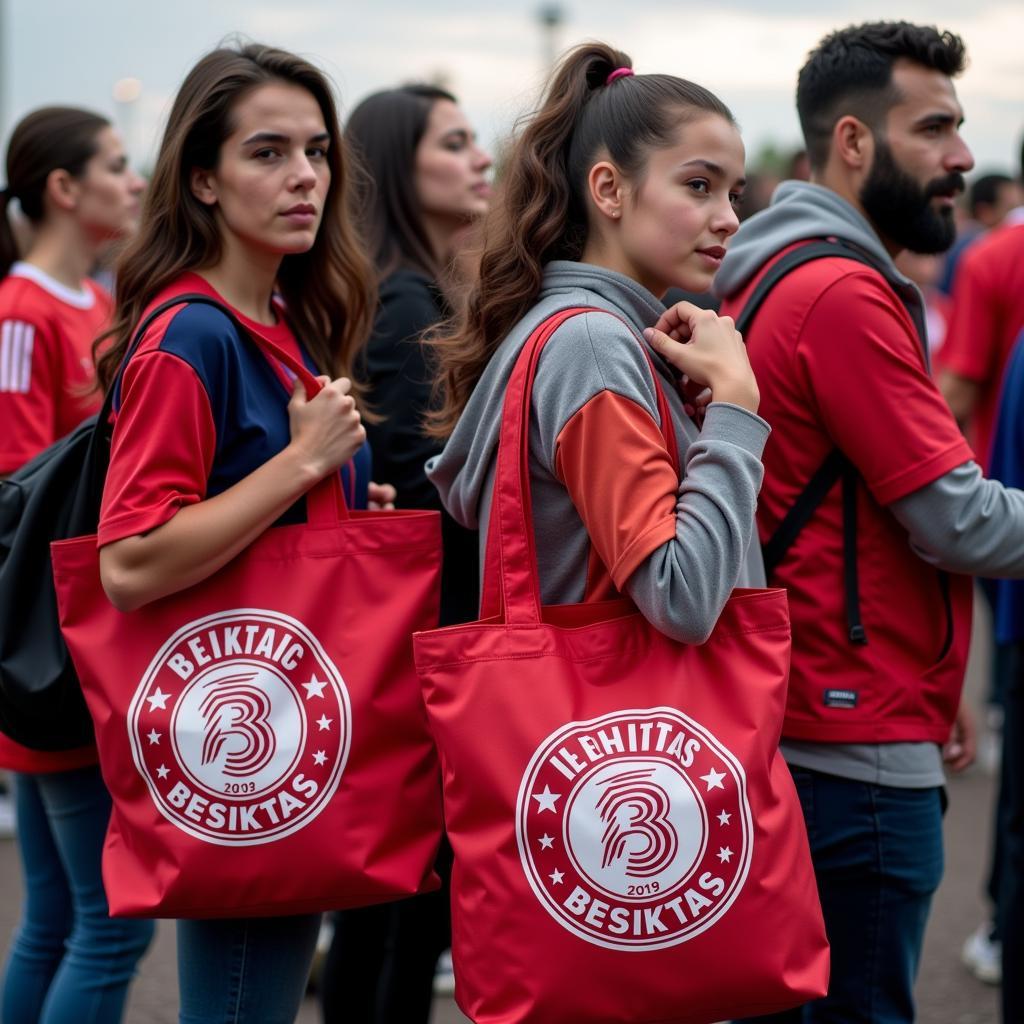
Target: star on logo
[
  {"x": 556, "y": 877},
  {"x": 320, "y": 757},
  {"x": 324, "y": 722},
  {"x": 158, "y": 700},
  {"x": 546, "y": 800},
  {"x": 714, "y": 779},
  {"x": 153, "y": 736},
  {"x": 163, "y": 771},
  {"x": 545, "y": 842},
  {"x": 724, "y": 854},
  {"x": 724, "y": 818},
  {"x": 314, "y": 688}
]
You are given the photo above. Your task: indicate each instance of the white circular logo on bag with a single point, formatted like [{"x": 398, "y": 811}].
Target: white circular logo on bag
[
  {"x": 634, "y": 829},
  {"x": 241, "y": 727}
]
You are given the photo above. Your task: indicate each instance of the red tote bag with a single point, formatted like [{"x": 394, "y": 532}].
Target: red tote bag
[
  {"x": 262, "y": 733},
  {"x": 629, "y": 845}
]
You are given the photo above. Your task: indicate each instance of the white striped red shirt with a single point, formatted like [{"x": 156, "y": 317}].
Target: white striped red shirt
[{"x": 16, "y": 342}]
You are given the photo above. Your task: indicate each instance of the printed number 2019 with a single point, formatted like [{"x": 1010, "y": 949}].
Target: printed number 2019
[{"x": 642, "y": 890}]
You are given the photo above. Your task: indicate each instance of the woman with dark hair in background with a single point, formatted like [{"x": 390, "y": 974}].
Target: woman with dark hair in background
[
  {"x": 428, "y": 184},
  {"x": 68, "y": 171},
  {"x": 249, "y": 204}
]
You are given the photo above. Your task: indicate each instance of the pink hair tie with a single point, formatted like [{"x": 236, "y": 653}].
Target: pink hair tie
[{"x": 618, "y": 73}]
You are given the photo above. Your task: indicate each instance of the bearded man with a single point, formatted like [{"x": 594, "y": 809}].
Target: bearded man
[{"x": 873, "y": 511}]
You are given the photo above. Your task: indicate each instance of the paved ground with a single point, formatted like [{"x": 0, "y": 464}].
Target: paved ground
[{"x": 946, "y": 993}]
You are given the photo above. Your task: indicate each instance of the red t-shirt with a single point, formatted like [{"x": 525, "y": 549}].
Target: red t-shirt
[
  {"x": 47, "y": 387},
  {"x": 165, "y": 441},
  {"x": 988, "y": 315},
  {"x": 47, "y": 380},
  {"x": 839, "y": 364}
]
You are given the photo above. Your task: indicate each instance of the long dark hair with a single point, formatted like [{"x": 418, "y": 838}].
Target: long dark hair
[
  {"x": 329, "y": 290},
  {"x": 47, "y": 140},
  {"x": 541, "y": 211},
  {"x": 384, "y": 131}
]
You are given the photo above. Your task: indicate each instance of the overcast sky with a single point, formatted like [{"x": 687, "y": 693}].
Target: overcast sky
[{"x": 491, "y": 55}]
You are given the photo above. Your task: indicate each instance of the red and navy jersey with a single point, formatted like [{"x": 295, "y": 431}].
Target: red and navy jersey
[
  {"x": 47, "y": 382},
  {"x": 197, "y": 409}
]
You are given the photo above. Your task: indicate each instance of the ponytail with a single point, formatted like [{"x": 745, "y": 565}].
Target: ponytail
[
  {"x": 8, "y": 243},
  {"x": 594, "y": 105}
]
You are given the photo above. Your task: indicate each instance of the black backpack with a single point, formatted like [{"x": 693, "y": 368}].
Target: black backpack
[
  {"x": 55, "y": 496},
  {"x": 836, "y": 467}
]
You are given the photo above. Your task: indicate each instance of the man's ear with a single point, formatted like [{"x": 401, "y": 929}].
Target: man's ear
[
  {"x": 62, "y": 189},
  {"x": 203, "y": 186},
  {"x": 606, "y": 189},
  {"x": 853, "y": 143}
]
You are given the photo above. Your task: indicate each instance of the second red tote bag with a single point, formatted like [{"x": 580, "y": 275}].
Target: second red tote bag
[
  {"x": 262, "y": 733},
  {"x": 629, "y": 846}
]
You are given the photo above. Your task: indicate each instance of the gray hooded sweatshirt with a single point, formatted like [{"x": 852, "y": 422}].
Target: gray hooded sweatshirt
[
  {"x": 960, "y": 522},
  {"x": 682, "y": 585}
]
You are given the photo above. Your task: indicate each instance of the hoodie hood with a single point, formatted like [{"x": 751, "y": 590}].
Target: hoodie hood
[
  {"x": 461, "y": 471},
  {"x": 800, "y": 211}
]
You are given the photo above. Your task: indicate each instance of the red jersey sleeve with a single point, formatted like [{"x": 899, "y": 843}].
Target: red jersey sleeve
[
  {"x": 162, "y": 449},
  {"x": 973, "y": 345},
  {"x": 627, "y": 504},
  {"x": 865, "y": 373},
  {"x": 30, "y": 386}
]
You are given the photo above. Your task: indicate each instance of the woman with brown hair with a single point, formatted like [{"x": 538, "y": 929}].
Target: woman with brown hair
[
  {"x": 69, "y": 175},
  {"x": 249, "y": 204},
  {"x": 618, "y": 188},
  {"x": 427, "y": 187}
]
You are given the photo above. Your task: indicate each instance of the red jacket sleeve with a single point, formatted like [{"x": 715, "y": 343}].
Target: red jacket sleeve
[
  {"x": 864, "y": 371},
  {"x": 611, "y": 456},
  {"x": 162, "y": 449}
]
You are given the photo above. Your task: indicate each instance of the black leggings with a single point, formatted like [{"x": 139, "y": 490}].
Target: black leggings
[{"x": 380, "y": 967}]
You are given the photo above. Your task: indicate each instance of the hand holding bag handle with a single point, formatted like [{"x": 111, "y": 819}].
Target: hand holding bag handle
[
  {"x": 511, "y": 584},
  {"x": 325, "y": 501}
]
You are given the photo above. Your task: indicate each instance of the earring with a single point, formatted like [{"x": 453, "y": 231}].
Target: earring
[{"x": 615, "y": 214}]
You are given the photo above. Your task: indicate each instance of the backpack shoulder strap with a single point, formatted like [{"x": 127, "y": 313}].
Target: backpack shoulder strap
[
  {"x": 784, "y": 265},
  {"x": 835, "y": 467}
]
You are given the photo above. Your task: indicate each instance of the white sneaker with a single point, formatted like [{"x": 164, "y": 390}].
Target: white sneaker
[
  {"x": 8, "y": 822},
  {"x": 444, "y": 976},
  {"x": 983, "y": 956}
]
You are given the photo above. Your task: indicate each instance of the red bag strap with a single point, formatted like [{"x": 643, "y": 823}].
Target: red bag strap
[
  {"x": 510, "y": 580},
  {"x": 325, "y": 501}
]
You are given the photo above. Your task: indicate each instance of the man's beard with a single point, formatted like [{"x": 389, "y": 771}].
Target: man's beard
[{"x": 902, "y": 210}]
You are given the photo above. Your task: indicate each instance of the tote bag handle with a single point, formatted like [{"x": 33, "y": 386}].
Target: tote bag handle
[{"x": 511, "y": 585}]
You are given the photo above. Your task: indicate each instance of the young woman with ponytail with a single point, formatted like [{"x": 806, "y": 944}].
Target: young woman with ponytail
[
  {"x": 69, "y": 176},
  {"x": 619, "y": 187}
]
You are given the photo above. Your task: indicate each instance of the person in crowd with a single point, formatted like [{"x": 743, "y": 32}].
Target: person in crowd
[
  {"x": 1008, "y": 606},
  {"x": 988, "y": 313},
  {"x": 990, "y": 198},
  {"x": 69, "y": 175},
  {"x": 987, "y": 317},
  {"x": 619, "y": 187},
  {"x": 879, "y": 591},
  {"x": 250, "y": 202},
  {"x": 924, "y": 268},
  {"x": 427, "y": 186}
]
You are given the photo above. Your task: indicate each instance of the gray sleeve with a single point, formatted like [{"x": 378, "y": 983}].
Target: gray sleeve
[
  {"x": 682, "y": 586},
  {"x": 965, "y": 523}
]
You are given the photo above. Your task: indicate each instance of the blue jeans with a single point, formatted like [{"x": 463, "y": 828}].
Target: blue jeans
[
  {"x": 70, "y": 962},
  {"x": 877, "y": 854},
  {"x": 245, "y": 970}
]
